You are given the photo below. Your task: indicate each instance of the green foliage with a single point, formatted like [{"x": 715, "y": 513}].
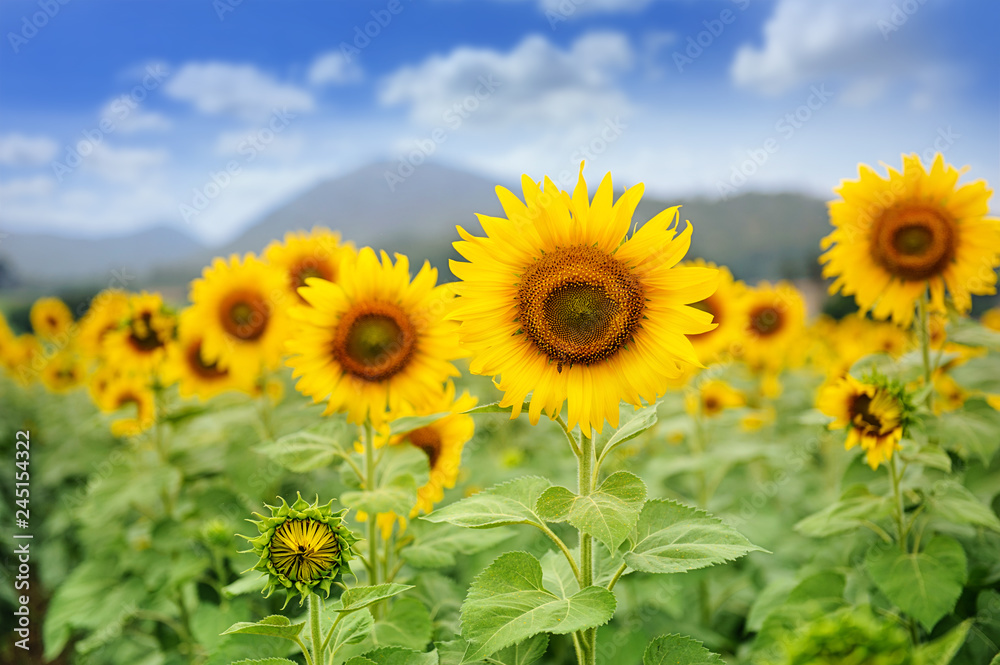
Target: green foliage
[
  {"x": 508, "y": 503},
  {"x": 608, "y": 514},
  {"x": 678, "y": 650}
]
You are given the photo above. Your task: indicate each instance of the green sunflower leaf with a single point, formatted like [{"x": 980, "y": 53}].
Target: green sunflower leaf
[
  {"x": 673, "y": 538},
  {"x": 942, "y": 650},
  {"x": 272, "y": 626},
  {"x": 496, "y": 408},
  {"x": 507, "y": 604},
  {"x": 352, "y": 629},
  {"x": 955, "y": 504},
  {"x": 264, "y": 661},
  {"x": 855, "y": 506},
  {"x": 410, "y": 423},
  {"x": 678, "y": 650},
  {"x": 358, "y": 597},
  {"x": 399, "y": 656},
  {"x": 407, "y": 625},
  {"x": 643, "y": 419},
  {"x": 971, "y": 431},
  {"x": 524, "y": 653},
  {"x": 926, "y": 585},
  {"x": 609, "y": 514},
  {"x": 438, "y": 545},
  {"x": 360, "y": 660},
  {"x": 314, "y": 447},
  {"x": 508, "y": 503}
]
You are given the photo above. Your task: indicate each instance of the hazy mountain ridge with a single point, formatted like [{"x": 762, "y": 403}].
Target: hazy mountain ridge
[{"x": 757, "y": 235}]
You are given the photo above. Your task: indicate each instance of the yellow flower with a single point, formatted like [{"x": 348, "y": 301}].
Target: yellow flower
[
  {"x": 773, "y": 318},
  {"x": 196, "y": 376},
  {"x": 711, "y": 397},
  {"x": 557, "y": 301},
  {"x": 723, "y": 305},
  {"x": 240, "y": 305},
  {"x": 373, "y": 340},
  {"x": 837, "y": 345},
  {"x": 950, "y": 395},
  {"x": 757, "y": 418},
  {"x": 872, "y": 414},
  {"x": 896, "y": 237},
  {"x": 106, "y": 312},
  {"x": 23, "y": 358},
  {"x": 301, "y": 256},
  {"x": 50, "y": 318},
  {"x": 64, "y": 371},
  {"x": 140, "y": 343},
  {"x": 129, "y": 391},
  {"x": 991, "y": 319}
]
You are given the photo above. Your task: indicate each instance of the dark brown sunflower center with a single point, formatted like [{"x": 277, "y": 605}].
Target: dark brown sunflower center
[
  {"x": 142, "y": 336},
  {"x": 862, "y": 416},
  {"x": 196, "y": 362},
  {"x": 51, "y": 320},
  {"x": 374, "y": 341},
  {"x": 766, "y": 320},
  {"x": 306, "y": 268},
  {"x": 712, "y": 405},
  {"x": 913, "y": 243},
  {"x": 244, "y": 315},
  {"x": 579, "y": 305},
  {"x": 428, "y": 440},
  {"x": 127, "y": 398}
]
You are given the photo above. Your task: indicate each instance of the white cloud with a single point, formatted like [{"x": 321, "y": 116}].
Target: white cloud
[
  {"x": 218, "y": 88},
  {"x": 536, "y": 82},
  {"x": 26, "y": 188},
  {"x": 334, "y": 68},
  {"x": 838, "y": 42},
  {"x": 285, "y": 146},
  {"x": 125, "y": 115},
  {"x": 124, "y": 165},
  {"x": 20, "y": 150}
]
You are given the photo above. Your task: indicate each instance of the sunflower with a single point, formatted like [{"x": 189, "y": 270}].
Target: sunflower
[
  {"x": 240, "y": 305},
  {"x": 772, "y": 319},
  {"x": 559, "y": 302},
  {"x": 50, "y": 318},
  {"x": 712, "y": 397},
  {"x": 874, "y": 414},
  {"x": 129, "y": 391},
  {"x": 374, "y": 340},
  {"x": 64, "y": 371},
  {"x": 991, "y": 319},
  {"x": 896, "y": 237},
  {"x": 723, "y": 306},
  {"x": 837, "y": 345},
  {"x": 106, "y": 312},
  {"x": 442, "y": 441},
  {"x": 303, "y": 547},
  {"x": 195, "y": 376},
  {"x": 23, "y": 358},
  {"x": 301, "y": 256},
  {"x": 140, "y": 342}
]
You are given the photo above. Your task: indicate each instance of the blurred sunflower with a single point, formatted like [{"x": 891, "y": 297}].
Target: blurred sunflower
[
  {"x": 129, "y": 391},
  {"x": 559, "y": 302},
  {"x": 140, "y": 342},
  {"x": 991, "y": 319},
  {"x": 240, "y": 306},
  {"x": 100, "y": 380},
  {"x": 896, "y": 237},
  {"x": 874, "y": 414},
  {"x": 773, "y": 318},
  {"x": 106, "y": 312},
  {"x": 50, "y": 318},
  {"x": 64, "y": 371},
  {"x": 723, "y": 306},
  {"x": 712, "y": 397},
  {"x": 301, "y": 256},
  {"x": 23, "y": 358},
  {"x": 196, "y": 376},
  {"x": 374, "y": 340}
]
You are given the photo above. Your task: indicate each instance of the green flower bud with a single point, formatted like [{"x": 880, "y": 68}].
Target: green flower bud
[{"x": 303, "y": 548}]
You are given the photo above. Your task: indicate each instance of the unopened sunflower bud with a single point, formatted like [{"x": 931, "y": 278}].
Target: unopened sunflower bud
[{"x": 303, "y": 548}]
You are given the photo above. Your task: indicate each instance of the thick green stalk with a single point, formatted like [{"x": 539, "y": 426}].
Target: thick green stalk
[
  {"x": 585, "y": 478},
  {"x": 923, "y": 313},
  {"x": 373, "y": 577},
  {"x": 317, "y": 635},
  {"x": 897, "y": 494}
]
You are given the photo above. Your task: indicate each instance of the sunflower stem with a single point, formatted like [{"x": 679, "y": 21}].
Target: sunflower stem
[
  {"x": 372, "y": 525},
  {"x": 923, "y": 313},
  {"x": 585, "y": 481},
  {"x": 317, "y": 633},
  {"x": 897, "y": 493}
]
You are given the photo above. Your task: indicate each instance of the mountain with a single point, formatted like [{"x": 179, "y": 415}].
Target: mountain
[{"x": 36, "y": 258}]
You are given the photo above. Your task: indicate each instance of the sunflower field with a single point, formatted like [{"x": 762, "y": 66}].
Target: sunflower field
[{"x": 589, "y": 448}]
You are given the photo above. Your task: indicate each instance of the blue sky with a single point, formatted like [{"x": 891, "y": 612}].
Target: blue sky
[{"x": 205, "y": 115}]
